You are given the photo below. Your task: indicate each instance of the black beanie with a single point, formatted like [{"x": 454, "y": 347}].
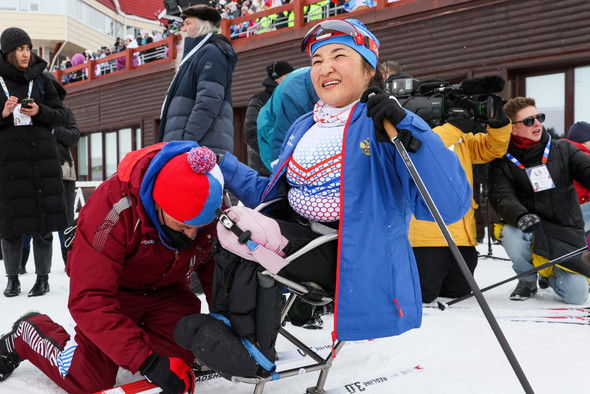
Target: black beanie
[
  {"x": 579, "y": 132},
  {"x": 278, "y": 69},
  {"x": 12, "y": 38}
]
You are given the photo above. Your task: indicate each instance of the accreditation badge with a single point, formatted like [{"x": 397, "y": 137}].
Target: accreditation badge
[
  {"x": 21, "y": 119},
  {"x": 540, "y": 178}
]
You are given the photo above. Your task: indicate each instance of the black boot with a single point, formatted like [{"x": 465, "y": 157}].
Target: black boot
[
  {"x": 41, "y": 286},
  {"x": 23, "y": 260},
  {"x": 9, "y": 359},
  {"x": 12, "y": 287}
]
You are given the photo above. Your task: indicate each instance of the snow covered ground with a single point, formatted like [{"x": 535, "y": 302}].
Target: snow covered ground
[{"x": 456, "y": 348}]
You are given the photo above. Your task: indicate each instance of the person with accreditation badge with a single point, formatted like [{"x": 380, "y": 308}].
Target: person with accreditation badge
[{"x": 532, "y": 190}]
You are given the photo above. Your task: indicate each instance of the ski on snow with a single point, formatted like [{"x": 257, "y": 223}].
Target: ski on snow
[
  {"x": 565, "y": 319},
  {"x": 146, "y": 387},
  {"x": 373, "y": 383}
]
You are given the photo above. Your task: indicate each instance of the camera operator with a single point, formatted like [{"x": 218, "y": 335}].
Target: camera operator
[{"x": 439, "y": 272}]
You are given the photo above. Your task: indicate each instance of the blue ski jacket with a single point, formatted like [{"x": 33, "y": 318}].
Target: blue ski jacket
[{"x": 378, "y": 288}]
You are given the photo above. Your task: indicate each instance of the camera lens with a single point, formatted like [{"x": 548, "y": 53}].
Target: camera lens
[{"x": 300, "y": 313}]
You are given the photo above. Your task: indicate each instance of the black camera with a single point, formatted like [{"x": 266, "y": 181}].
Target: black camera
[{"x": 436, "y": 100}]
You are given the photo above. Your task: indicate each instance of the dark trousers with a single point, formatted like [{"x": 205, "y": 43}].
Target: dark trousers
[
  {"x": 12, "y": 249},
  {"x": 318, "y": 265},
  {"x": 440, "y": 275}
]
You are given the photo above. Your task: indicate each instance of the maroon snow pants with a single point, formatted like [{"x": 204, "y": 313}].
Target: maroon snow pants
[{"x": 42, "y": 341}]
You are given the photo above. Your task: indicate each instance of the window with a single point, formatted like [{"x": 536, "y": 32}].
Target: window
[
  {"x": 8, "y": 5},
  {"x": 110, "y": 152},
  {"x": 581, "y": 94},
  {"x": 96, "y": 159},
  {"x": 549, "y": 93},
  {"x": 83, "y": 159},
  {"x": 138, "y": 140},
  {"x": 116, "y": 145},
  {"x": 125, "y": 142}
]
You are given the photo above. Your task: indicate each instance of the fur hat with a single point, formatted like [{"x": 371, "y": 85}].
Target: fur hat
[
  {"x": 12, "y": 38},
  {"x": 203, "y": 12},
  {"x": 189, "y": 187},
  {"x": 278, "y": 69},
  {"x": 579, "y": 132}
]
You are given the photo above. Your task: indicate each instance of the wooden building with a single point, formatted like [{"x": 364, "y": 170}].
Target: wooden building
[{"x": 540, "y": 47}]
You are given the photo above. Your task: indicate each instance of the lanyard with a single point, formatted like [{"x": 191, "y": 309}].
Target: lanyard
[
  {"x": 6, "y": 89},
  {"x": 544, "y": 159}
]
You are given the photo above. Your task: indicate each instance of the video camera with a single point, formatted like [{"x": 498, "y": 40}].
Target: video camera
[{"x": 436, "y": 100}]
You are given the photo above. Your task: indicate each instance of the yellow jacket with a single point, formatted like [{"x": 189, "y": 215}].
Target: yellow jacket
[{"x": 472, "y": 149}]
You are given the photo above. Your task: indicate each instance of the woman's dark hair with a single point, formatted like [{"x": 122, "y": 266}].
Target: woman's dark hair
[
  {"x": 10, "y": 58},
  {"x": 378, "y": 79}
]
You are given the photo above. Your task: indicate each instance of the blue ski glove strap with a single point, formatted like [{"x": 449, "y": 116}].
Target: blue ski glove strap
[
  {"x": 173, "y": 375},
  {"x": 381, "y": 106},
  {"x": 528, "y": 223}
]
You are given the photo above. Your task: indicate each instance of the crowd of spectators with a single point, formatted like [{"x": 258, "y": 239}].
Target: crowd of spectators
[
  {"x": 120, "y": 45},
  {"x": 229, "y": 9}
]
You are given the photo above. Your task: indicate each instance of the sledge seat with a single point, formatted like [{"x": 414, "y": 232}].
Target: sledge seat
[
  {"x": 308, "y": 292},
  {"x": 312, "y": 294}
]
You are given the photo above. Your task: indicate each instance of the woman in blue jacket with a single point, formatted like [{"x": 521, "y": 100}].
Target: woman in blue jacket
[{"x": 337, "y": 166}]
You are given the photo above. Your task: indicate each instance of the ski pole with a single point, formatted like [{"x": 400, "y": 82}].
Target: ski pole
[
  {"x": 557, "y": 260},
  {"x": 392, "y": 133}
]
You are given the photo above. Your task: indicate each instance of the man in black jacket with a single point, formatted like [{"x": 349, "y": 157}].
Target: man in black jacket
[
  {"x": 276, "y": 72},
  {"x": 532, "y": 189}
]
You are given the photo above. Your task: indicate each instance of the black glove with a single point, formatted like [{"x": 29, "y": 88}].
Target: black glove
[
  {"x": 381, "y": 106},
  {"x": 460, "y": 114},
  {"x": 173, "y": 375},
  {"x": 528, "y": 223},
  {"x": 500, "y": 117}
]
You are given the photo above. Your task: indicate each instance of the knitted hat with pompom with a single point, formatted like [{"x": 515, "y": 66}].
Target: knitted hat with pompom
[{"x": 189, "y": 187}]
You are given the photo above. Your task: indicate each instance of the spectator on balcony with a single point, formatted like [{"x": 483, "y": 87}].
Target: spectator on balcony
[
  {"x": 118, "y": 43},
  {"x": 81, "y": 74},
  {"x": 198, "y": 104}
]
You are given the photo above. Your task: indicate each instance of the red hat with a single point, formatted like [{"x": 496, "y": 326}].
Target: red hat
[{"x": 189, "y": 187}]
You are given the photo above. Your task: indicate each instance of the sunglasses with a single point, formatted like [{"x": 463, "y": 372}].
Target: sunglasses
[
  {"x": 333, "y": 28},
  {"x": 531, "y": 120}
]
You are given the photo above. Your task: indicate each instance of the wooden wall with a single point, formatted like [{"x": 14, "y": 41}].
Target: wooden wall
[{"x": 448, "y": 39}]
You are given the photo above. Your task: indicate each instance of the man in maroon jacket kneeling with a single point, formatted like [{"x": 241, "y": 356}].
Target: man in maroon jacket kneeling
[{"x": 137, "y": 240}]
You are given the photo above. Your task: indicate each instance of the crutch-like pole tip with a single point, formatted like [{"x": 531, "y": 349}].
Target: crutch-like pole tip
[{"x": 441, "y": 306}]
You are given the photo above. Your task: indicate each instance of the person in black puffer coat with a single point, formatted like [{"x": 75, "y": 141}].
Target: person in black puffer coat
[{"x": 31, "y": 190}]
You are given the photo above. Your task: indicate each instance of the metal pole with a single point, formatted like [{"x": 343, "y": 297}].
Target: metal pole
[
  {"x": 531, "y": 271},
  {"x": 392, "y": 132}
]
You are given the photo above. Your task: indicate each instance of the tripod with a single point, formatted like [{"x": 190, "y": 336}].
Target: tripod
[{"x": 489, "y": 226}]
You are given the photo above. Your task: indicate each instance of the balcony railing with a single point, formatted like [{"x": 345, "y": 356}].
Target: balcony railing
[{"x": 131, "y": 58}]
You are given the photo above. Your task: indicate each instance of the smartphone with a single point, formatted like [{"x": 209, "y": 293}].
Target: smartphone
[{"x": 27, "y": 102}]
